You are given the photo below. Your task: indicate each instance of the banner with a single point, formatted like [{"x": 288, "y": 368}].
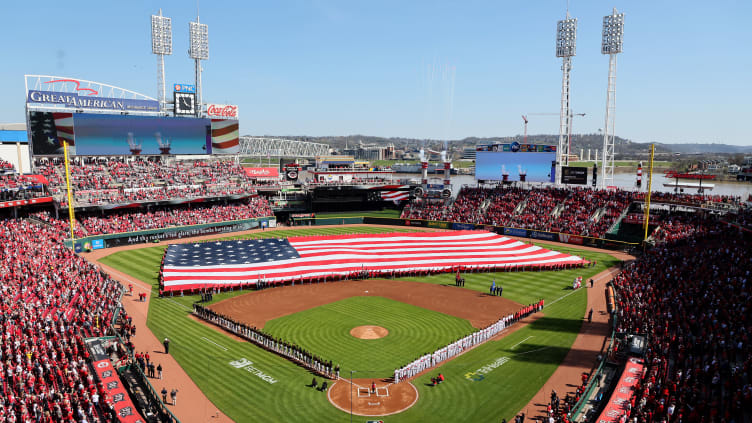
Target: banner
[
  {"x": 187, "y": 232},
  {"x": 463, "y": 226},
  {"x": 409, "y": 222},
  {"x": 440, "y": 225},
  {"x": 624, "y": 391},
  {"x": 262, "y": 172},
  {"x": 570, "y": 239},
  {"x": 548, "y": 236},
  {"x": 515, "y": 232},
  {"x": 16, "y": 203}
]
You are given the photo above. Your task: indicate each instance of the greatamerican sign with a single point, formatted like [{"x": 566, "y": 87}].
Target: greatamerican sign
[
  {"x": 226, "y": 111},
  {"x": 73, "y": 100}
]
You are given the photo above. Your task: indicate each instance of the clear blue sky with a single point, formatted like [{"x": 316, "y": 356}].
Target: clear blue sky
[{"x": 424, "y": 69}]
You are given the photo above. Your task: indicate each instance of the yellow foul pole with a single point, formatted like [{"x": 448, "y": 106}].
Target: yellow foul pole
[
  {"x": 647, "y": 197},
  {"x": 71, "y": 216}
]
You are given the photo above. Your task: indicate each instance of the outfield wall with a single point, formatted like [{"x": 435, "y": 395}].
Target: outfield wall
[
  {"x": 611, "y": 244},
  {"x": 176, "y": 232}
]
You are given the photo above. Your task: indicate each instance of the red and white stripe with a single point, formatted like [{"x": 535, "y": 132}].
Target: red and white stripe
[
  {"x": 225, "y": 136},
  {"x": 322, "y": 256},
  {"x": 64, "y": 127},
  {"x": 395, "y": 196}
]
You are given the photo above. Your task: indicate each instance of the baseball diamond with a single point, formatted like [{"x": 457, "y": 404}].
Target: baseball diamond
[{"x": 530, "y": 350}]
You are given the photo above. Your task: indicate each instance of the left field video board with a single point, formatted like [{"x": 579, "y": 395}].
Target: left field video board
[{"x": 89, "y": 134}]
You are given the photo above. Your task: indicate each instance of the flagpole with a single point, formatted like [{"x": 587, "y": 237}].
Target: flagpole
[
  {"x": 71, "y": 215},
  {"x": 647, "y": 197}
]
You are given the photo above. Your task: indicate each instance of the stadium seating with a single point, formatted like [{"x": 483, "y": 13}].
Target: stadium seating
[
  {"x": 578, "y": 211},
  {"x": 51, "y": 300},
  {"x": 691, "y": 296},
  {"x": 132, "y": 220},
  {"x": 99, "y": 181}
]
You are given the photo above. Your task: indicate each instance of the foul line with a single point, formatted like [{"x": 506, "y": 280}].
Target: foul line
[
  {"x": 532, "y": 351},
  {"x": 181, "y": 305},
  {"x": 515, "y": 345},
  {"x": 214, "y": 343}
]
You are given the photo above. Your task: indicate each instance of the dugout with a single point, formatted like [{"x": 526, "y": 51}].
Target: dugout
[{"x": 302, "y": 219}]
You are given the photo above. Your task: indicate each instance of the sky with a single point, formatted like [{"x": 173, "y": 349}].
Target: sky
[{"x": 417, "y": 69}]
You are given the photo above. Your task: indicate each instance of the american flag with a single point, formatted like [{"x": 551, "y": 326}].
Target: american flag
[{"x": 231, "y": 263}]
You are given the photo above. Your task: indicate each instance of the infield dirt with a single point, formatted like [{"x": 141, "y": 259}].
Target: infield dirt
[{"x": 258, "y": 307}]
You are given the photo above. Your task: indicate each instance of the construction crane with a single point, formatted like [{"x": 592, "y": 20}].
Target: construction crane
[{"x": 524, "y": 118}]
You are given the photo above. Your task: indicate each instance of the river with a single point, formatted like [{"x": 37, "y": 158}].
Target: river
[{"x": 624, "y": 180}]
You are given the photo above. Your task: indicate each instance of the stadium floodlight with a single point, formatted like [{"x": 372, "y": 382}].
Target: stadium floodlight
[
  {"x": 566, "y": 48},
  {"x": 611, "y": 44},
  {"x": 199, "y": 50},
  {"x": 161, "y": 44},
  {"x": 199, "y": 34},
  {"x": 566, "y": 37}
]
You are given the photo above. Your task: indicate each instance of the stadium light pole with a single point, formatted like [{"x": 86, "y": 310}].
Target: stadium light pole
[
  {"x": 611, "y": 44},
  {"x": 161, "y": 45},
  {"x": 566, "y": 47},
  {"x": 199, "y": 35}
]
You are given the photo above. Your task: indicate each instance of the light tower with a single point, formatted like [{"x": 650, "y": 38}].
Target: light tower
[
  {"x": 161, "y": 44},
  {"x": 199, "y": 35},
  {"x": 566, "y": 43},
  {"x": 611, "y": 44}
]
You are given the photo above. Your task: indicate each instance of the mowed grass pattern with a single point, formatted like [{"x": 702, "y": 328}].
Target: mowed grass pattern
[
  {"x": 412, "y": 331},
  {"x": 501, "y": 394}
]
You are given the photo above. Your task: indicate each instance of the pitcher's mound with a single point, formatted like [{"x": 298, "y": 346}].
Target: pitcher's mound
[{"x": 369, "y": 332}]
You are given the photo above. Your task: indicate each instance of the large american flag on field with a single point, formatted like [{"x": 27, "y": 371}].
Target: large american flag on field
[{"x": 232, "y": 263}]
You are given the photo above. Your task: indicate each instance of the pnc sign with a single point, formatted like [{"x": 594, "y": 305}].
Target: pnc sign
[{"x": 226, "y": 111}]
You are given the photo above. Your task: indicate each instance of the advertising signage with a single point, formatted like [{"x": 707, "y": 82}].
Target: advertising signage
[
  {"x": 224, "y": 111},
  {"x": 574, "y": 175},
  {"x": 184, "y": 88},
  {"x": 76, "y": 101}
]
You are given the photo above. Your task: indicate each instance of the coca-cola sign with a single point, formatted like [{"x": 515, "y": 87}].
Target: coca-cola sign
[{"x": 222, "y": 110}]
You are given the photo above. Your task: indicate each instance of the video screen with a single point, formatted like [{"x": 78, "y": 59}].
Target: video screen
[
  {"x": 127, "y": 135},
  {"x": 101, "y": 134},
  {"x": 514, "y": 166}
]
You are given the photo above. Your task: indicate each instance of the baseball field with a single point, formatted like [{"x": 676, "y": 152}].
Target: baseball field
[{"x": 490, "y": 382}]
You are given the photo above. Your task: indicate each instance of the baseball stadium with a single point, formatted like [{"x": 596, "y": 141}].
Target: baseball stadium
[{"x": 158, "y": 266}]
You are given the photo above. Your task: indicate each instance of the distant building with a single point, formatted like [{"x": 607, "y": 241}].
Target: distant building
[{"x": 468, "y": 153}]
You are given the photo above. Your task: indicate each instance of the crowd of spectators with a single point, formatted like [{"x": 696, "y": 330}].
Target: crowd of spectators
[
  {"x": 691, "y": 298},
  {"x": 116, "y": 180},
  {"x": 578, "y": 211},
  {"x": 6, "y": 167},
  {"x": 163, "y": 217},
  {"x": 51, "y": 300},
  {"x": 18, "y": 187},
  {"x": 132, "y": 220}
]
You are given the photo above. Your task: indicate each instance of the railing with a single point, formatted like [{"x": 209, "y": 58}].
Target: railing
[
  {"x": 165, "y": 415},
  {"x": 596, "y": 375}
]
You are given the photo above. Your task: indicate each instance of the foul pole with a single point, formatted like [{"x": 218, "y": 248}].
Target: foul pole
[
  {"x": 71, "y": 215},
  {"x": 647, "y": 197}
]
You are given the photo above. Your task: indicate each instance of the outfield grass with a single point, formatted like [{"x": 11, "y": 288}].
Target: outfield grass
[
  {"x": 412, "y": 330},
  {"x": 533, "y": 353}
]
